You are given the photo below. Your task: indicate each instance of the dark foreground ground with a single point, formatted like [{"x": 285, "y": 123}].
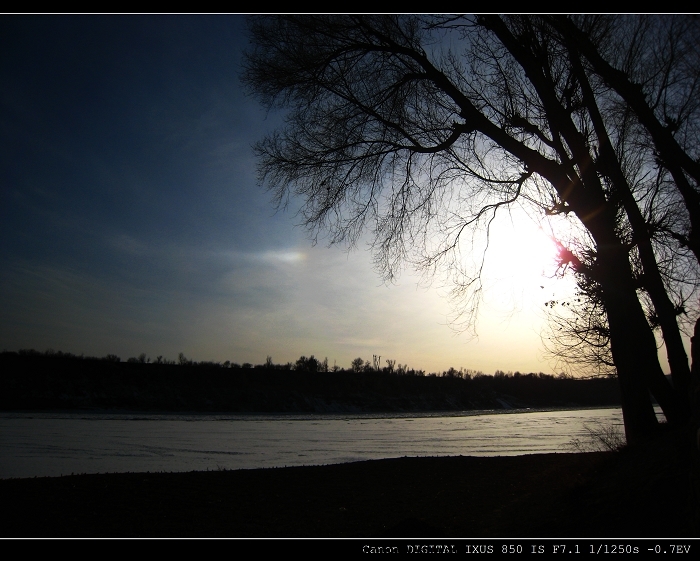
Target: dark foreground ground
[{"x": 635, "y": 493}]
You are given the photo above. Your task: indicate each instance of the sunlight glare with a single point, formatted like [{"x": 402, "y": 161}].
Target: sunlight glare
[{"x": 520, "y": 251}]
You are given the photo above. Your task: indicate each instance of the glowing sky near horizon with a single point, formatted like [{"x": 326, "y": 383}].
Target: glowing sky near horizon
[{"x": 132, "y": 222}]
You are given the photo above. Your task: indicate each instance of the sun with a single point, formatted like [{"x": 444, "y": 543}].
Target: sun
[{"x": 520, "y": 252}]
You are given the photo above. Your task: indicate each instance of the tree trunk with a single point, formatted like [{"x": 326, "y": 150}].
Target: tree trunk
[
  {"x": 694, "y": 392},
  {"x": 634, "y": 353},
  {"x": 632, "y": 341}
]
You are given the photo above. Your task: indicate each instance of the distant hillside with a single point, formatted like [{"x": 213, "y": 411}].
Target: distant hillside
[{"x": 38, "y": 382}]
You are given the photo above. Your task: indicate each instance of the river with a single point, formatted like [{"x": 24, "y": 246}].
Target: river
[{"x": 53, "y": 444}]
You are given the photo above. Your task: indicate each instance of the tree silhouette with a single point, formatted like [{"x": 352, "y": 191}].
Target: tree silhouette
[
  {"x": 311, "y": 364},
  {"x": 421, "y": 129},
  {"x": 357, "y": 364},
  {"x": 652, "y": 74}
]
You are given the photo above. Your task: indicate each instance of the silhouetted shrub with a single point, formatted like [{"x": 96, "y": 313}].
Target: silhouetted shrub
[{"x": 600, "y": 437}]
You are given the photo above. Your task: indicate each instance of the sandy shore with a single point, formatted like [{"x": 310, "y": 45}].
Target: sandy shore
[{"x": 625, "y": 494}]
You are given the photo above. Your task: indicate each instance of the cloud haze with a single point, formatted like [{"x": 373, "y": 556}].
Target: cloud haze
[{"x": 132, "y": 221}]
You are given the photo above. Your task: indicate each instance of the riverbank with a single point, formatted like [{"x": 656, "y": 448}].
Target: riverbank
[
  {"x": 37, "y": 382},
  {"x": 634, "y": 493}
]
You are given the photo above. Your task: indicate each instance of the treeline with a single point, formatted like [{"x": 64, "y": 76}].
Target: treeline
[
  {"x": 60, "y": 381},
  {"x": 303, "y": 364}
]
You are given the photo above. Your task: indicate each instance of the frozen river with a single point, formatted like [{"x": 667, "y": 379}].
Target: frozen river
[{"x": 51, "y": 444}]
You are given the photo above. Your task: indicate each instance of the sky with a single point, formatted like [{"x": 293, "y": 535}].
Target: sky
[{"x": 131, "y": 220}]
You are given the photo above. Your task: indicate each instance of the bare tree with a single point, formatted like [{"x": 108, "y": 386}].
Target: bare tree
[
  {"x": 649, "y": 69},
  {"x": 422, "y": 129}
]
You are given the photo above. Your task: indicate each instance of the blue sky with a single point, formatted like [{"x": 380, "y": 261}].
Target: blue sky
[{"x": 131, "y": 220}]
